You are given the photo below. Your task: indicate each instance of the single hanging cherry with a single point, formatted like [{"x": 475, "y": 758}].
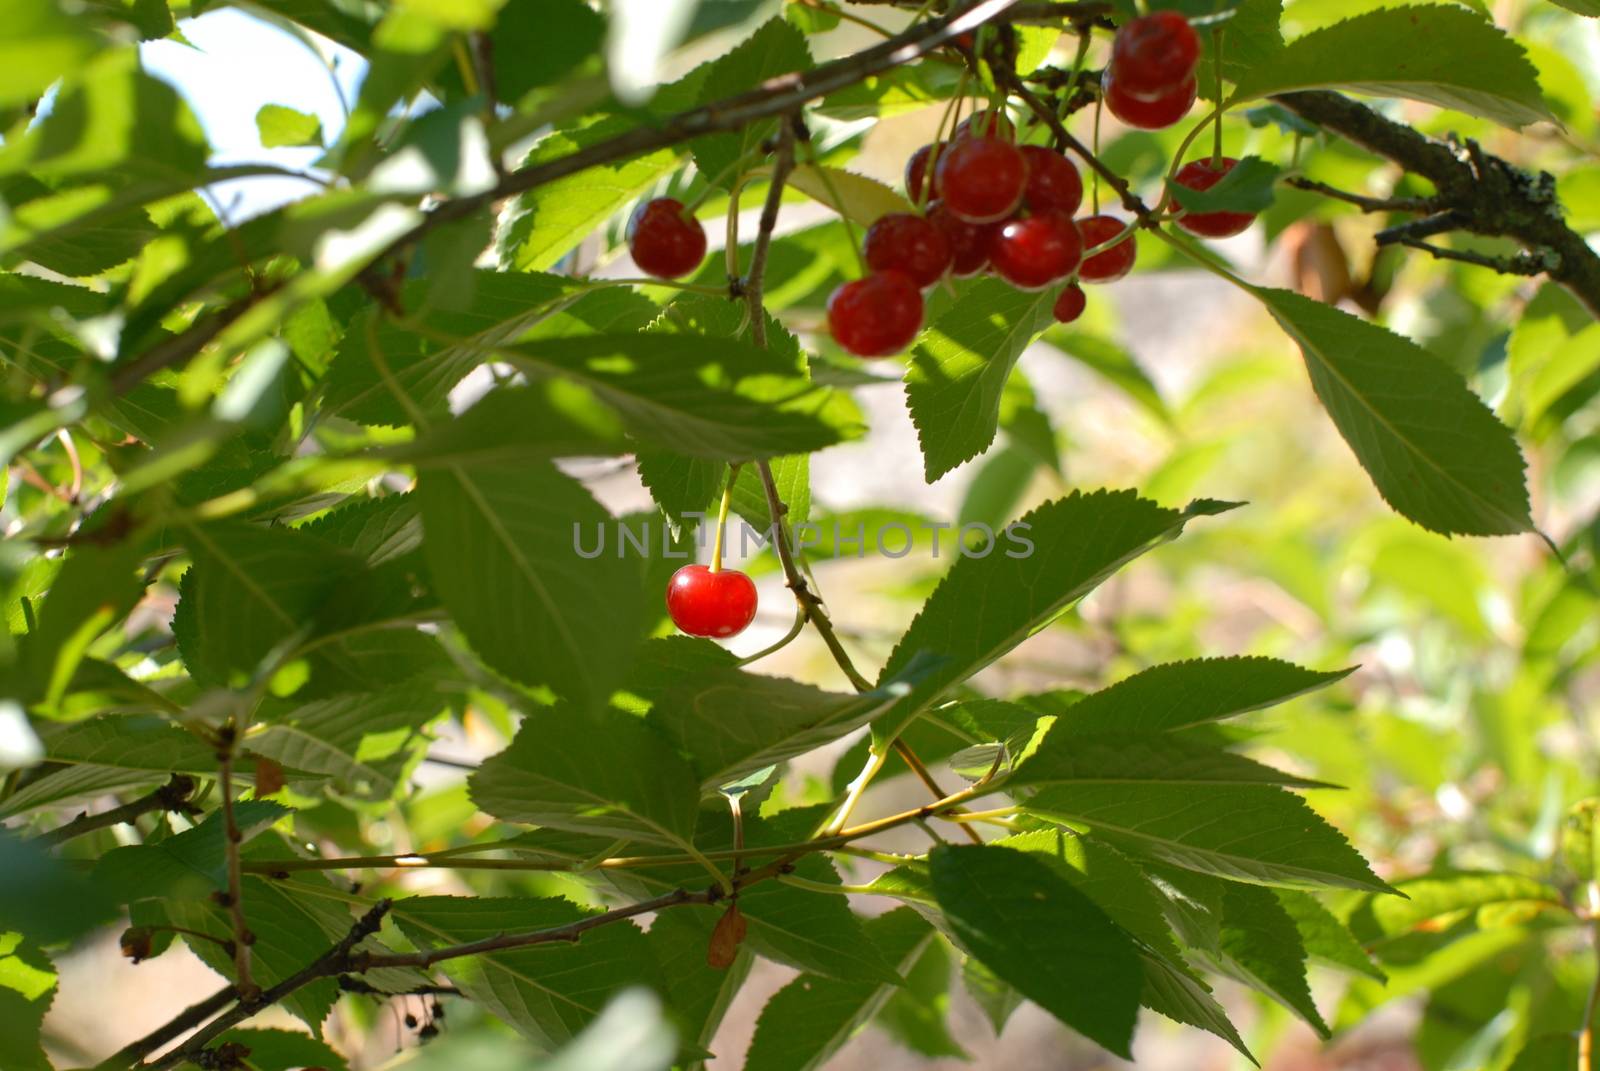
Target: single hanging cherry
[
  {"x": 715, "y": 605},
  {"x": 876, "y": 316},
  {"x": 1054, "y": 184},
  {"x": 1153, "y": 55},
  {"x": 970, "y": 243},
  {"x": 1157, "y": 114},
  {"x": 1031, "y": 252},
  {"x": 1202, "y": 175},
  {"x": 1110, "y": 264},
  {"x": 981, "y": 179},
  {"x": 665, "y": 241}
]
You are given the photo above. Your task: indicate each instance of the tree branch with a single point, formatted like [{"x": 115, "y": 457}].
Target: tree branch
[
  {"x": 1366, "y": 204},
  {"x": 778, "y": 96},
  {"x": 231, "y": 840},
  {"x": 187, "y": 1019},
  {"x": 1493, "y": 197},
  {"x": 172, "y": 796}
]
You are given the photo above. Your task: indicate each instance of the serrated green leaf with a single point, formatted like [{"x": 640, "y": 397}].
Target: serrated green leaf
[
  {"x": 699, "y": 994},
  {"x": 44, "y": 899},
  {"x": 986, "y": 606},
  {"x": 283, "y": 1050},
  {"x": 547, "y": 992},
  {"x": 808, "y": 1020},
  {"x": 1325, "y": 937},
  {"x": 502, "y": 547},
  {"x": 1180, "y": 695},
  {"x": 187, "y": 865},
  {"x": 1037, "y": 932},
  {"x": 812, "y": 931},
  {"x": 339, "y": 737},
  {"x": 916, "y": 1014},
  {"x": 280, "y": 126},
  {"x": 959, "y": 367},
  {"x": 1141, "y": 758},
  {"x": 94, "y": 589},
  {"x": 776, "y": 48},
  {"x": 1376, "y": 919},
  {"x": 1436, "y": 53},
  {"x": 1253, "y": 833},
  {"x": 1260, "y": 945},
  {"x": 1247, "y": 187},
  {"x": 505, "y": 307},
  {"x": 41, "y": 44},
  {"x": 855, "y": 197},
  {"x": 606, "y": 774},
  {"x": 1433, "y": 449}
]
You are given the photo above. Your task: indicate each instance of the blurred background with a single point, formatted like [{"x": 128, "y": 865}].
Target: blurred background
[{"x": 1465, "y": 735}]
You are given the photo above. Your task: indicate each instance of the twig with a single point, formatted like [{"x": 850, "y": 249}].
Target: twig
[
  {"x": 172, "y": 796},
  {"x": 1438, "y": 223},
  {"x": 1366, "y": 204},
  {"x": 1494, "y": 197},
  {"x": 187, "y": 1019},
  {"x": 925, "y": 775},
  {"x": 1517, "y": 264},
  {"x": 334, "y": 961}
]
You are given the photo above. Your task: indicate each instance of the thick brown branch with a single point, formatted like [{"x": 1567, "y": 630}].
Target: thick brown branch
[
  {"x": 172, "y": 796},
  {"x": 1492, "y": 196}
]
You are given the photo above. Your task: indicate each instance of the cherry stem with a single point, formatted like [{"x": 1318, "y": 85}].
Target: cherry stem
[
  {"x": 722, "y": 518},
  {"x": 1216, "y": 60}
]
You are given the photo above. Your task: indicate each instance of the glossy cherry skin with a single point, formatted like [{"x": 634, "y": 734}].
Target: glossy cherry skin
[
  {"x": 918, "y": 168},
  {"x": 1032, "y": 252},
  {"x": 665, "y": 241},
  {"x": 981, "y": 179},
  {"x": 1148, "y": 114},
  {"x": 1154, "y": 55},
  {"x": 1108, "y": 265},
  {"x": 1054, "y": 184},
  {"x": 1202, "y": 175},
  {"x": 703, "y": 603},
  {"x": 876, "y": 316},
  {"x": 970, "y": 243},
  {"x": 900, "y": 241},
  {"x": 1070, "y": 304},
  {"x": 985, "y": 125}
]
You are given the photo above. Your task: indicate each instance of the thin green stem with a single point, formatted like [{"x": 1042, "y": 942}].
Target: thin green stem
[
  {"x": 722, "y": 518},
  {"x": 788, "y": 638},
  {"x": 823, "y": 887}
]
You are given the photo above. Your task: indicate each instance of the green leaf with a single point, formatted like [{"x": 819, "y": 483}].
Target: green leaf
[
  {"x": 407, "y": 48},
  {"x": 1375, "y": 919},
  {"x": 550, "y": 220},
  {"x": 1260, "y": 945},
  {"x": 536, "y": 42},
  {"x": 1037, "y": 932},
  {"x": 776, "y": 48},
  {"x": 505, "y": 307},
  {"x": 731, "y": 723},
  {"x": 608, "y": 774},
  {"x": 812, "y": 931},
  {"x": 808, "y": 1020},
  {"x": 283, "y": 1050},
  {"x": 95, "y": 589},
  {"x": 547, "y": 992},
  {"x": 1433, "y": 449},
  {"x": 1436, "y": 53},
  {"x": 1248, "y": 187},
  {"x": 1180, "y": 695},
  {"x": 996, "y": 488},
  {"x": 1139, "y": 758},
  {"x": 280, "y": 126},
  {"x": 343, "y": 737},
  {"x": 993, "y": 996},
  {"x": 44, "y": 899},
  {"x": 187, "y": 865},
  {"x": 986, "y": 606},
  {"x": 42, "y": 43},
  {"x": 502, "y": 549},
  {"x": 1253, "y": 833},
  {"x": 855, "y": 197},
  {"x": 959, "y": 367},
  {"x": 631, "y": 1034},
  {"x": 1325, "y": 937},
  {"x": 699, "y": 993},
  {"x": 27, "y": 989}
]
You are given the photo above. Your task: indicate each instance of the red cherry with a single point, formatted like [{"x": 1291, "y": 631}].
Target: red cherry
[
  {"x": 981, "y": 179},
  {"x": 665, "y": 241},
  {"x": 969, "y": 242},
  {"x": 1148, "y": 114},
  {"x": 985, "y": 125},
  {"x": 1108, "y": 265},
  {"x": 1034, "y": 251},
  {"x": 1202, "y": 175},
  {"x": 917, "y": 169},
  {"x": 900, "y": 241},
  {"x": 703, "y": 603},
  {"x": 1053, "y": 183},
  {"x": 877, "y": 315},
  {"x": 1070, "y": 304},
  {"x": 1154, "y": 55}
]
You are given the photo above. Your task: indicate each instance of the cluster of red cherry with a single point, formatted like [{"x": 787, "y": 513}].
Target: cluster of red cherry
[{"x": 985, "y": 205}]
